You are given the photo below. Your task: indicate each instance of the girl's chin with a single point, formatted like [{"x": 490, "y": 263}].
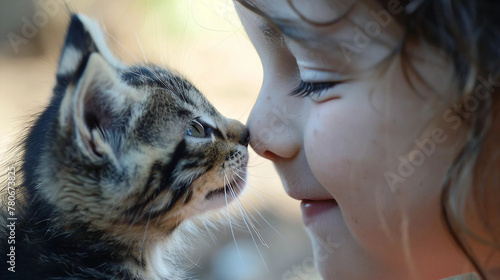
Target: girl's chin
[
  {"x": 333, "y": 243},
  {"x": 326, "y": 227}
]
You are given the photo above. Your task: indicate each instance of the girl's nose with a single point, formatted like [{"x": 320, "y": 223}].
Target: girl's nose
[{"x": 273, "y": 125}]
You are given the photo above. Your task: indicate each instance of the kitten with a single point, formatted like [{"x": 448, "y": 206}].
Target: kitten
[{"x": 114, "y": 165}]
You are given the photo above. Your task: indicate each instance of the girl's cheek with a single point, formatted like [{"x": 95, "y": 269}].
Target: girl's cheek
[
  {"x": 346, "y": 144},
  {"x": 325, "y": 146}
]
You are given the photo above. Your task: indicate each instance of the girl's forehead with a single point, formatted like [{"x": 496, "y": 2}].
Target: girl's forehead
[
  {"x": 326, "y": 21},
  {"x": 348, "y": 34},
  {"x": 302, "y": 11}
]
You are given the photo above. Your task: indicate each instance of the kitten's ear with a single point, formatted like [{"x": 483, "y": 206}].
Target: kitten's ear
[
  {"x": 83, "y": 37},
  {"x": 93, "y": 107}
]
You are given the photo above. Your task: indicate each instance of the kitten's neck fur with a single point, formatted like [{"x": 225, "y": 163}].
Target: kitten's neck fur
[
  {"x": 74, "y": 249},
  {"x": 83, "y": 253}
]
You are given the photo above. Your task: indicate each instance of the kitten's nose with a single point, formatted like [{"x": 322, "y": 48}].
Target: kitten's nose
[
  {"x": 238, "y": 132},
  {"x": 244, "y": 137}
]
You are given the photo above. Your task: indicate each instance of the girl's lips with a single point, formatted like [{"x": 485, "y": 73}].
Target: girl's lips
[{"x": 311, "y": 209}]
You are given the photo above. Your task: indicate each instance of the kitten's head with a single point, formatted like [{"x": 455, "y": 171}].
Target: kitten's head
[{"x": 134, "y": 146}]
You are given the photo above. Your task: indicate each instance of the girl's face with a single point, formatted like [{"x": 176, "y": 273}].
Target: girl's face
[{"x": 366, "y": 156}]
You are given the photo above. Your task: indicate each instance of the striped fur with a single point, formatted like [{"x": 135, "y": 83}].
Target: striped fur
[{"x": 112, "y": 168}]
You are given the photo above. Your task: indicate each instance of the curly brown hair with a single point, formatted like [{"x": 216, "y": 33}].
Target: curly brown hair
[{"x": 468, "y": 31}]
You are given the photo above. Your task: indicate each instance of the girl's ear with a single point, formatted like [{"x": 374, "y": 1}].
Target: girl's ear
[
  {"x": 83, "y": 37},
  {"x": 93, "y": 107}
]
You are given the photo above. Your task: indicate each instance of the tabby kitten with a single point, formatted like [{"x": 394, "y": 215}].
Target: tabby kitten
[{"x": 114, "y": 165}]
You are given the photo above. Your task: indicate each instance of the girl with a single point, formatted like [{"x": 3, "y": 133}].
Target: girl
[{"x": 382, "y": 117}]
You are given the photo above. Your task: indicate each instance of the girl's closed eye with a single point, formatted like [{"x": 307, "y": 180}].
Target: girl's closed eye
[{"x": 314, "y": 90}]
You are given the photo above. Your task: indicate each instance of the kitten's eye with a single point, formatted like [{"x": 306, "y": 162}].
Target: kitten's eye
[{"x": 196, "y": 129}]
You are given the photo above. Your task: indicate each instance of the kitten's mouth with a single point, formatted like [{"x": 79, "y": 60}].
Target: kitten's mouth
[
  {"x": 229, "y": 191},
  {"x": 216, "y": 192},
  {"x": 222, "y": 196}
]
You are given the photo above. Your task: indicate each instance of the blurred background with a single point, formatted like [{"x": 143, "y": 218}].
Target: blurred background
[{"x": 204, "y": 41}]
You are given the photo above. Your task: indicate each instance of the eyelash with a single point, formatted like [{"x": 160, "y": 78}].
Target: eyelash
[{"x": 306, "y": 89}]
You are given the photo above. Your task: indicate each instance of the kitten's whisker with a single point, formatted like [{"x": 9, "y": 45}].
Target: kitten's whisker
[
  {"x": 247, "y": 183},
  {"x": 240, "y": 170},
  {"x": 144, "y": 238},
  {"x": 253, "y": 238},
  {"x": 243, "y": 171},
  {"x": 270, "y": 195},
  {"x": 186, "y": 195},
  {"x": 238, "y": 201},
  {"x": 258, "y": 164},
  {"x": 136, "y": 218},
  {"x": 256, "y": 230},
  {"x": 246, "y": 213},
  {"x": 250, "y": 105},
  {"x": 229, "y": 215},
  {"x": 258, "y": 192},
  {"x": 209, "y": 232},
  {"x": 244, "y": 208},
  {"x": 140, "y": 47},
  {"x": 258, "y": 143},
  {"x": 186, "y": 255},
  {"x": 157, "y": 220},
  {"x": 258, "y": 212},
  {"x": 194, "y": 264}
]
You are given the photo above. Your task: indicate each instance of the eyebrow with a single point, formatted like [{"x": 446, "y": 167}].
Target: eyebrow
[
  {"x": 269, "y": 32},
  {"x": 295, "y": 30},
  {"x": 290, "y": 30}
]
